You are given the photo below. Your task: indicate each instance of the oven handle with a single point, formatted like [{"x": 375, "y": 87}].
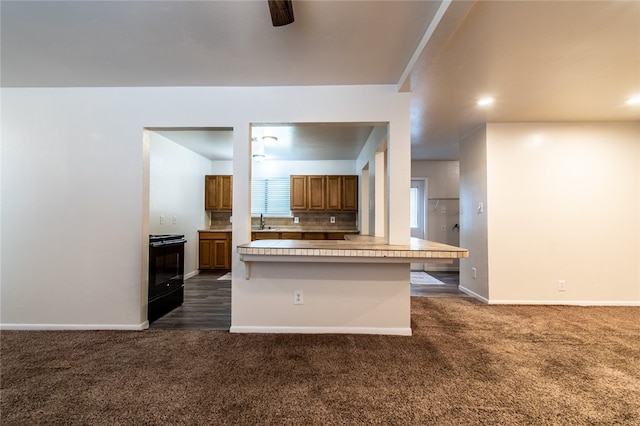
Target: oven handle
[{"x": 167, "y": 243}]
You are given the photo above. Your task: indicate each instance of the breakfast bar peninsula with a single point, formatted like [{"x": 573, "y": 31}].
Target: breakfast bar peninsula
[{"x": 359, "y": 285}]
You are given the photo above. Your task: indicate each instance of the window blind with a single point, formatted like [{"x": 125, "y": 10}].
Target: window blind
[{"x": 270, "y": 196}]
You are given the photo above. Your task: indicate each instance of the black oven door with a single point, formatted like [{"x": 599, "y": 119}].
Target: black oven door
[{"x": 166, "y": 267}]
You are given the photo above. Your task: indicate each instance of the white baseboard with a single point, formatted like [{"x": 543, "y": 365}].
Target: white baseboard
[
  {"x": 51, "y": 327},
  {"x": 399, "y": 331},
  {"x": 549, "y": 302},
  {"x": 473, "y": 294},
  {"x": 191, "y": 274},
  {"x": 566, "y": 302}
]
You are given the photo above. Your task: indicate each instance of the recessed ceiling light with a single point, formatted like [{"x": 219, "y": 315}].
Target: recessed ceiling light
[
  {"x": 634, "y": 100},
  {"x": 485, "y": 101}
]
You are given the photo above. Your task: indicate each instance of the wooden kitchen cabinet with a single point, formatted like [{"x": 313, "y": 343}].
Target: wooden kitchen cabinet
[
  {"x": 334, "y": 192},
  {"x": 317, "y": 192},
  {"x": 335, "y": 235},
  {"x": 215, "y": 250},
  {"x": 349, "y": 193},
  {"x": 313, "y": 236},
  {"x": 265, "y": 236},
  {"x": 291, "y": 235},
  {"x": 324, "y": 193},
  {"x": 298, "y": 193},
  {"x": 218, "y": 192}
]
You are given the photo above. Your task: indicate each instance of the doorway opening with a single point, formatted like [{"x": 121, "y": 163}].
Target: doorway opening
[{"x": 176, "y": 163}]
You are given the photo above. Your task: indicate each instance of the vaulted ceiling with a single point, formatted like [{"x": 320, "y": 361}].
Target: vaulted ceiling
[{"x": 540, "y": 60}]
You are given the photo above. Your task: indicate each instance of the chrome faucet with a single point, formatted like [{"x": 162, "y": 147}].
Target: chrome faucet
[{"x": 261, "y": 221}]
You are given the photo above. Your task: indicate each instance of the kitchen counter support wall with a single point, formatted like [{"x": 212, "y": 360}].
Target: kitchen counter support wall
[{"x": 337, "y": 298}]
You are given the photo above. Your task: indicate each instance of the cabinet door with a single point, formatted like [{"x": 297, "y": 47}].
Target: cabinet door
[
  {"x": 218, "y": 192},
  {"x": 334, "y": 192},
  {"x": 350, "y": 193},
  {"x": 225, "y": 188},
  {"x": 298, "y": 194},
  {"x": 206, "y": 254},
  {"x": 211, "y": 193},
  {"x": 220, "y": 254},
  {"x": 215, "y": 250},
  {"x": 316, "y": 198}
]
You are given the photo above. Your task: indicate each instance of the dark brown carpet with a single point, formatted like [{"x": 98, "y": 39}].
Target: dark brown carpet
[{"x": 466, "y": 363}]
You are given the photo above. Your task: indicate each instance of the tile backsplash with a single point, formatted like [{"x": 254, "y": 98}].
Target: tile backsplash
[
  {"x": 313, "y": 220},
  {"x": 307, "y": 220}
]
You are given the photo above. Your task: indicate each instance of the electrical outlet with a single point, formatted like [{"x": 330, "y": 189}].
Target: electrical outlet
[
  {"x": 296, "y": 220},
  {"x": 230, "y": 219},
  {"x": 174, "y": 220},
  {"x": 443, "y": 210},
  {"x": 333, "y": 219},
  {"x": 562, "y": 285},
  {"x": 161, "y": 219},
  {"x": 298, "y": 298},
  {"x": 443, "y": 228},
  {"x": 474, "y": 273}
]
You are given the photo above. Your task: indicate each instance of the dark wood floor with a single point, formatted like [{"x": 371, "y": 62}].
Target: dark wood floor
[
  {"x": 207, "y": 300},
  {"x": 451, "y": 281},
  {"x": 207, "y": 304}
]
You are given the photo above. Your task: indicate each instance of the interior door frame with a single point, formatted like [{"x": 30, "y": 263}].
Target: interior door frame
[{"x": 421, "y": 182}]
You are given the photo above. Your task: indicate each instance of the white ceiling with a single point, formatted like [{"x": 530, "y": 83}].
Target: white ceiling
[
  {"x": 294, "y": 141},
  {"x": 541, "y": 60}
]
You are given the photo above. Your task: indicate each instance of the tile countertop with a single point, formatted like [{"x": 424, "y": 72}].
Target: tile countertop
[
  {"x": 365, "y": 248},
  {"x": 286, "y": 229}
]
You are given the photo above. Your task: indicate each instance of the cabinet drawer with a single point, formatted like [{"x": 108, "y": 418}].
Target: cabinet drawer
[
  {"x": 313, "y": 236},
  {"x": 265, "y": 235},
  {"x": 291, "y": 235},
  {"x": 335, "y": 235},
  {"x": 214, "y": 235}
]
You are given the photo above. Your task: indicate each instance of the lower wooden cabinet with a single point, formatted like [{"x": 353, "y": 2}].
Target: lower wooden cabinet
[
  {"x": 335, "y": 235},
  {"x": 215, "y": 250},
  {"x": 313, "y": 236}
]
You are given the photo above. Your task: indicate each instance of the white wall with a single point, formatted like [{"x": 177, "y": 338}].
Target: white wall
[
  {"x": 74, "y": 220},
  {"x": 562, "y": 203},
  {"x": 176, "y": 190},
  {"x": 220, "y": 168},
  {"x": 473, "y": 222}
]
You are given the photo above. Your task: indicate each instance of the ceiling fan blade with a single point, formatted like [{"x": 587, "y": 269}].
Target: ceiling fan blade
[{"x": 281, "y": 12}]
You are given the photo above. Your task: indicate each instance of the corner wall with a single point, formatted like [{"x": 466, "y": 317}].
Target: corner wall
[{"x": 473, "y": 222}]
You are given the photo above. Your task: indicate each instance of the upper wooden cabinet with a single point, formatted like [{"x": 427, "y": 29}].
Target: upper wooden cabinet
[
  {"x": 350, "y": 193},
  {"x": 298, "y": 196},
  {"x": 218, "y": 192},
  {"x": 316, "y": 195},
  {"x": 324, "y": 193},
  {"x": 334, "y": 192}
]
